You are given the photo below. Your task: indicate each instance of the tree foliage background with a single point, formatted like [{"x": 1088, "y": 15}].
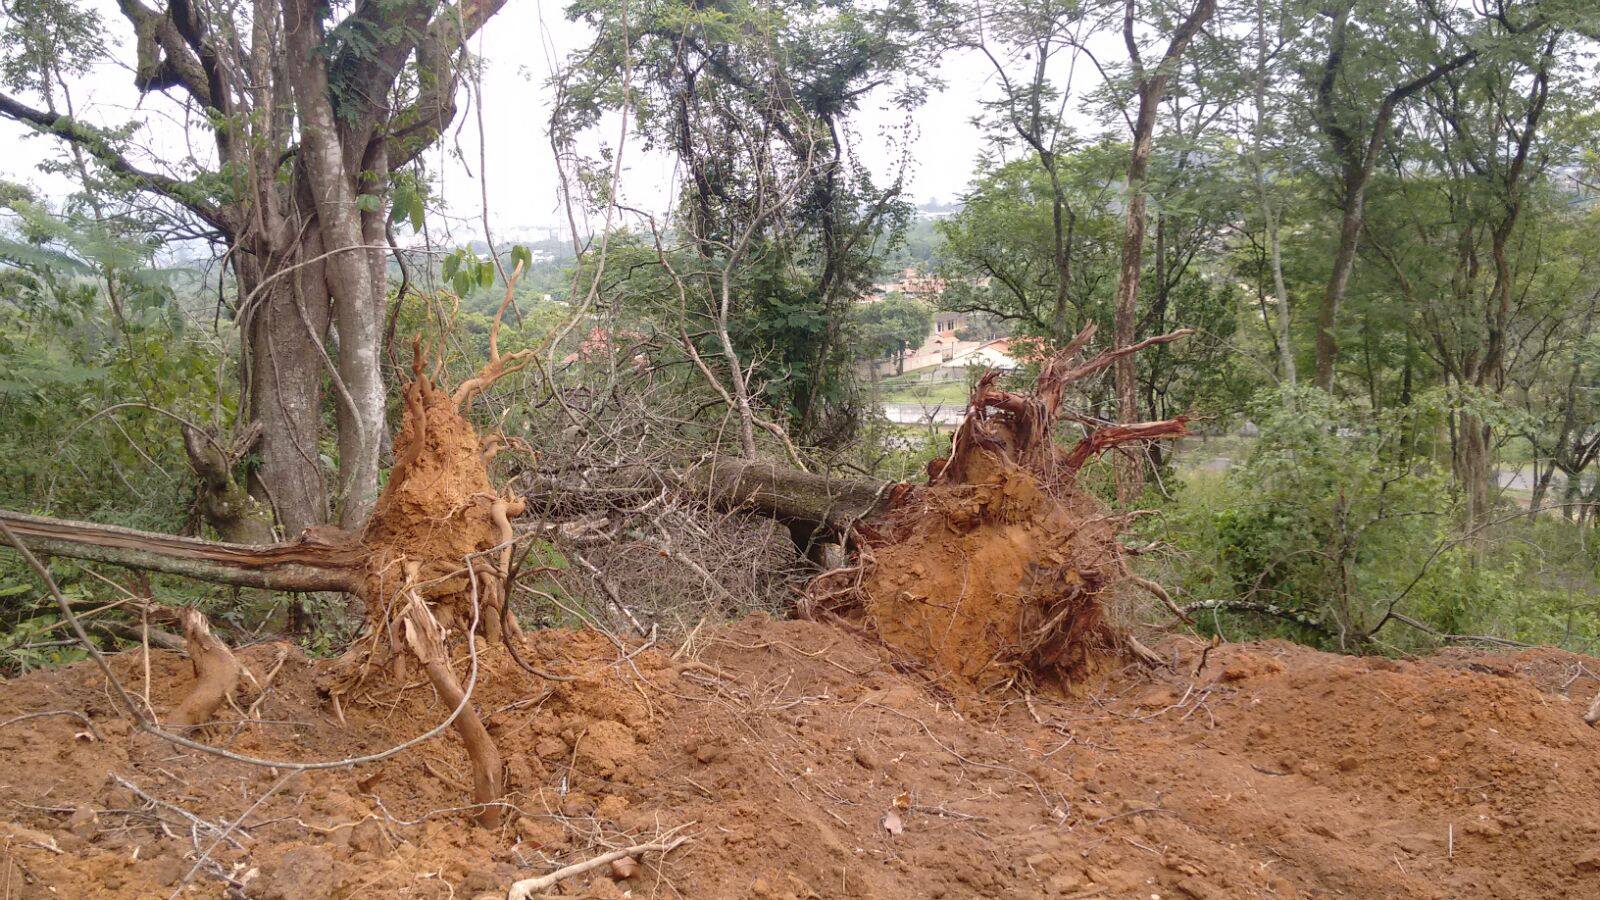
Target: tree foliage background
[{"x": 1377, "y": 217}]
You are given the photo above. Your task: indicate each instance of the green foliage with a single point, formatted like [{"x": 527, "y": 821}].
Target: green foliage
[
  {"x": 1000, "y": 248},
  {"x": 46, "y": 40},
  {"x": 1331, "y": 519},
  {"x": 87, "y": 323},
  {"x": 1336, "y": 519},
  {"x": 891, "y": 324},
  {"x": 787, "y": 227}
]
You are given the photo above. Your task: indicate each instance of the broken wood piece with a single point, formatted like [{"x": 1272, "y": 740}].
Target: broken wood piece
[{"x": 216, "y": 671}]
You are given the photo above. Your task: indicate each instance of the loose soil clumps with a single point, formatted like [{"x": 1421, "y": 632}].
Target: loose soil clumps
[
  {"x": 995, "y": 571},
  {"x": 802, "y": 762}
]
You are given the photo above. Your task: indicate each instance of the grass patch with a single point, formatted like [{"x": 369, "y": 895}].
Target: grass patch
[{"x": 909, "y": 388}]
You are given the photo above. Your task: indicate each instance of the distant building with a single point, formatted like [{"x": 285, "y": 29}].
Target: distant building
[
  {"x": 911, "y": 284},
  {"x": 944, "y": 357}
]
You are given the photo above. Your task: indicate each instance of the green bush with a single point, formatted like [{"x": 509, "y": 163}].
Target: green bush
[{"x": 1331, "y": 524}]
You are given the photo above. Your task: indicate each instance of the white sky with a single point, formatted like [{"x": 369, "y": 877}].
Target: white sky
[{"x": 522, "y": 46}]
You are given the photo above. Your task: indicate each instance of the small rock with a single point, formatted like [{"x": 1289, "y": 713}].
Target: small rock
[
  {"x": 368, "y": 836},
  {"x": 624, "y": 868},
  {"x": 866, "y": 758},
  {"x": 83, "y": 822}
]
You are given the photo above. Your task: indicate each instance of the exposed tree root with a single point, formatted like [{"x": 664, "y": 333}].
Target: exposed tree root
[
  {"x": 995, "y": 572},
  {"x": 426, "y": 639},
  {"x": 216, "y": 671},
  {"x": 431, "y": 563}
]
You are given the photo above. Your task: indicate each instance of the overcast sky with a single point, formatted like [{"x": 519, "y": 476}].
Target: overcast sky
[{"x": 522, "y": 46}]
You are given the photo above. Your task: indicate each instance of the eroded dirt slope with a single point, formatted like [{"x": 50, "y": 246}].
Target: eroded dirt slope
[{"x": 804, "y": 763}]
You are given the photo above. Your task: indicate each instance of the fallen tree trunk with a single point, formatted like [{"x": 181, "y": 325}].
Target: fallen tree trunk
[
  {"x": 308, "y": 564},
  {"x": 791, "y": 496}
]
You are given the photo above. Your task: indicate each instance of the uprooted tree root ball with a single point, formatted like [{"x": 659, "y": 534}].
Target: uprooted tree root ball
[
  {"x": 437, "y": 557},
  {"x": 995, "y": 571}
]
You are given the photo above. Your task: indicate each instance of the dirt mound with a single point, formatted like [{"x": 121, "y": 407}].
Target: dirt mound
[{"x": 802, "y": 763}]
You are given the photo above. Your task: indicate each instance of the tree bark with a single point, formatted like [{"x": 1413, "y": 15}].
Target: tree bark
[
  {"x": 279, "y": 331},
  {"x": 224, "y": 503},
  {"x": 1152, "y": 87},
  {"x": 305, "y": 565},
  {"x": 788, "y": 495},
  {"x": 1475, "y": 470},
  {"x": 357, "y": 301},
  {"x": 1269, "y": 215},
  {"x": 1353, "y": 206}
]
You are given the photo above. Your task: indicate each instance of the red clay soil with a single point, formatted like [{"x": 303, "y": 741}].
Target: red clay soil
[
  {"x": 994, "y": 583},
  {"x": 802, "y": 763}
]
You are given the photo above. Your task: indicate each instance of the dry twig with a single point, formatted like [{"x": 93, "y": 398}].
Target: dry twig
[{"x": 528, "y": 887}]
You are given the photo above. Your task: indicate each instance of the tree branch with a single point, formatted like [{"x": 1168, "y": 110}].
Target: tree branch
[
  {"x": 415, "y": 127},
  {"x": 99, "y": 145},
  {"x": 304, "y": 565}
]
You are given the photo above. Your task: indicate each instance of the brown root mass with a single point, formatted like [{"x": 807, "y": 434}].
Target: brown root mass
[
  {"x": 995, "y": 571},
  {"x": 430, "y": 535}
]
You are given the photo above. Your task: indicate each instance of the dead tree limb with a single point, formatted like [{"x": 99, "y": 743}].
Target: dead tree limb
[
  {"x": 304, "y": 565},
  {"x": 426, "y": 639},
  {"x": 779, "y": 492},
  {"x": 1257, "y": 606}
]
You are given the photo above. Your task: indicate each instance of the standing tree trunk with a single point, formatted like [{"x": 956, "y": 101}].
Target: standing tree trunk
[
  {"x": 1358, "y": 158},
  {"x": 1269, "y": 215},
  {"x": 1151, "y": 87},
  {"x": 1353, "y": 188},
  {"x": 279, "y": 333},
  {"x": 332, "y": 167},
  {"x": 310, "y": 115}
]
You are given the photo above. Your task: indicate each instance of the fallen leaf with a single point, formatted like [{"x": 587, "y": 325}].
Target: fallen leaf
[{"x": 903, "y": 800}]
